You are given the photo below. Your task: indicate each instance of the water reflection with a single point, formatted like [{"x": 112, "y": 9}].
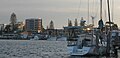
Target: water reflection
[
  {"x": 91, "y": 57},
  {"x": 97, "y": 56}
]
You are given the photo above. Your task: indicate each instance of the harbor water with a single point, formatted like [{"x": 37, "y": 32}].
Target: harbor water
[{"x": 37, "y": 49}]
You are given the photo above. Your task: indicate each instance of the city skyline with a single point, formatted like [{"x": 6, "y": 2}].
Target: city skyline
[{"x": 56, "y": 10}]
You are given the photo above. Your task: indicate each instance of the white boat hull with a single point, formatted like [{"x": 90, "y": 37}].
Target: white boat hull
[{"x": 84, "y": 51}]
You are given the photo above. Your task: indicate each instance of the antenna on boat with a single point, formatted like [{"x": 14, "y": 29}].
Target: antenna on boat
[
  {"x": 93, "y": 19},
  {"x": 112, "y": 10},
  {"x": 100, "y": 9},
  {"x": 88, "y": 11}
]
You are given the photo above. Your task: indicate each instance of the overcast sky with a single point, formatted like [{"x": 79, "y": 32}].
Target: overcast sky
[{"x": 57, "y": 10}]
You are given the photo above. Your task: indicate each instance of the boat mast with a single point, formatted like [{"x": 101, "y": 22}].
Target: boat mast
[
  {"x": 109, "y": 37},
  {"x": 98, "y": 32},
  {"x": 109, "y": 11}
]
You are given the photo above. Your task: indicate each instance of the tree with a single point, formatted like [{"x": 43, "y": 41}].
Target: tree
[
  {"x": 42, "y": 29},
  {"x": 7, "y": 28}
]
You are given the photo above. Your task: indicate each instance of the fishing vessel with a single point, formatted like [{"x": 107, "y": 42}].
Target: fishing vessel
[{"x": 86, "y": 45}]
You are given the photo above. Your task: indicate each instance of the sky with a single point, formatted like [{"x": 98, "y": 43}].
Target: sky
[{"x": 59, "y": 11}]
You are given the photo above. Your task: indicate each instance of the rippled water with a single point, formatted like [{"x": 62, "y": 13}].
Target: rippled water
[
  {"x": 32, "y": 49},
  {"x": 96, "y": 56},
  {"x": 37, "y": 49},
  {"x": 90, "y": 57}
]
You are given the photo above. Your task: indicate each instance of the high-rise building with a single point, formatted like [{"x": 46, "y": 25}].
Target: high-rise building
[
  {"x": 1, "y": 28},
  {"x": 69, "y": 22},
  {"x": 13, "y": 20},
  {"x": 33, "y": 25},
  {"x": 51, "y": 25},
  {"x": 76, "y": 23}
]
